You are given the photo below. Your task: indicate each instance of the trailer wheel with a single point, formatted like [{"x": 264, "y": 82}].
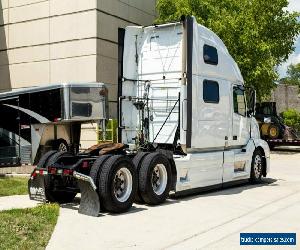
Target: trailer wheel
[
  {"x": 61, "y": 145},
  {"x": 117, "y": 184},
  {"x": 137, "y": 162},
  {"x": 256, "y": 167},
  {"x": 43, "y": 161},
  {"x": 155, "y": 178}
]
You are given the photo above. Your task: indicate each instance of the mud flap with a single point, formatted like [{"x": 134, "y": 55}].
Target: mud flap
[
  {"x": 89, "y": 203},
  {"x": 36, "y": 187}
]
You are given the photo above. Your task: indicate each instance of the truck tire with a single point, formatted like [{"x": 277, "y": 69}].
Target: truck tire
[
  {"x": 57, "y": 196},
  {"x": 155, "y": 178},
  {"x": 256, "y": 167},
  {"x": 117, "y": 184},
  {"x": 95, "y": 170},
  {"x": 44, "y": 159},
  {"x": 55, "y": 157},
  {"x": 137, "y": 162}
]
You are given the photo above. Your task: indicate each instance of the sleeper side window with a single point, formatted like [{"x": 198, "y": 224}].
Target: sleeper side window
[
  {"x": 210, "y": 55},
  {"x": 239, "y": 104},
  {"x": 211, "y": 91}
]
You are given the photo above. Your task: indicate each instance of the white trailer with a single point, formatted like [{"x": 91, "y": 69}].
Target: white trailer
[{"x": 185, "y": 123}]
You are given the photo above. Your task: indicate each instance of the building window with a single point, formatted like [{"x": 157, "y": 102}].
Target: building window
[
  {"x": 210, "y": 55},
  {"x": 239, "y": 103},
  {"x": 211, "y": 91}
]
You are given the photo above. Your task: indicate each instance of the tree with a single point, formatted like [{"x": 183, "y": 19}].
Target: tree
[
  {"x": 259, "y": 34},
  {"x": 293, "y": 75}
]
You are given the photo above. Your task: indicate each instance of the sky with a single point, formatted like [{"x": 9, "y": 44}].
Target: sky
[{"x": 294, "y": 5}]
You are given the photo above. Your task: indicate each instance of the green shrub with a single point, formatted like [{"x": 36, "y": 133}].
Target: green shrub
[{"x": 291, "y": 118}]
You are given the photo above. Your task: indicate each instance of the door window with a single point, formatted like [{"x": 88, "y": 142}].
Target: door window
[{"x": 239, "y": 103}]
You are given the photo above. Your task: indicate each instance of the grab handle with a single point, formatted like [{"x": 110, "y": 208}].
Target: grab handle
[{"x": 121, "y": 98}]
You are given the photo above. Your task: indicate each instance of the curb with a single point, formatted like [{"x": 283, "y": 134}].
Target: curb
[{"x": 14, "y": 175}]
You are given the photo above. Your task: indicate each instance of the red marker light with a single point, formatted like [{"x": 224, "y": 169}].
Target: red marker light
[
  {"x": 85, "y": 164},
  {"x": 52, "y": 170},
  {"x": 68, "y": 171}
]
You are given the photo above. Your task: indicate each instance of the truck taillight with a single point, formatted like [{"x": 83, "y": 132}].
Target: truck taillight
[
  {"x": 52, "y": 170},
  {"x": 68, "y": 171},
  {"x": 41, "y": 172},
  {"x": 85, "y": 164}
]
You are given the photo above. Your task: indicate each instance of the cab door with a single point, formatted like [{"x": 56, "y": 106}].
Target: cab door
[{"x": 240, "y": 122}]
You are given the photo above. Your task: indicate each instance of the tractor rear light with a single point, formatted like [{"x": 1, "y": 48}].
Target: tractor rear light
[
  {"x": 85, "y": 164},
  {"x": 41, "y": 172},
  {"x": 52, "y": 170},
  {"x": 68, "y": 171},
  {"x": 34, "y": 174}
]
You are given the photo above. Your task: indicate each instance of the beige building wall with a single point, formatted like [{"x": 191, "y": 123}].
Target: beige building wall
[
  {"x": 47, "y": 42},
  {"x": 52, "y": 41},
  {"x": 286, "y": 97},
  {"x": 111, "y": 15}
]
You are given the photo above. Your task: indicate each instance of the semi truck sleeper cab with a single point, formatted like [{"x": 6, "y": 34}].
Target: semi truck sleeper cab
[{"x": 185, "y": 123}]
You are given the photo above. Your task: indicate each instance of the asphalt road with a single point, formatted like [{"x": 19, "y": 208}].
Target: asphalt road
[{"x": 210, "y": 220}]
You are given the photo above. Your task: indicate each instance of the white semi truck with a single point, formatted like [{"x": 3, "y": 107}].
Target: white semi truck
[{"x": 185, "y": 124}]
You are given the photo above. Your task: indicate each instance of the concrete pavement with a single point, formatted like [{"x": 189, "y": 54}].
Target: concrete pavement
[
  {"x": 16, "y": 201},
  {"x": 210, "y": 220}
]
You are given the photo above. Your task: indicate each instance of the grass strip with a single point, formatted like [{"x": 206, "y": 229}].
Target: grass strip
[
  {"x": 27, "y": 228},
  {"x": 13, "y": 186}
]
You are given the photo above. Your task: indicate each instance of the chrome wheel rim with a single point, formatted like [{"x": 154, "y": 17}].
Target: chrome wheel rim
[
  {"x": 122, "y": 184},
  {"x": 62, "y": 147},
  {"x": 159, "y": 179},
  {"x": 257, "y": 166}
]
